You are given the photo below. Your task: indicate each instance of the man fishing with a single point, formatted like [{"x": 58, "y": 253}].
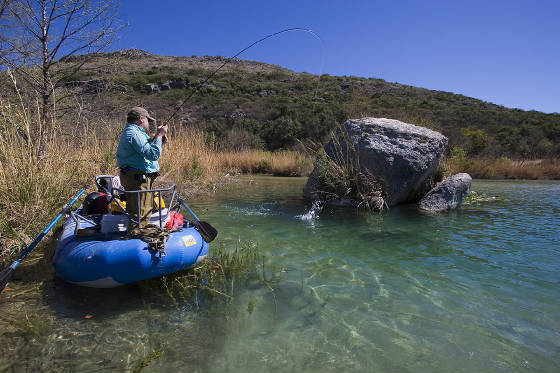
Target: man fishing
[{"x": 137, "y": 158}]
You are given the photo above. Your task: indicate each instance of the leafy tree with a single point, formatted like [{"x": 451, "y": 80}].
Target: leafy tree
[
  {"x": 281, "y": 132},
  {"x": 543, "y": 147},
  {"x": 477, "y": 139}
]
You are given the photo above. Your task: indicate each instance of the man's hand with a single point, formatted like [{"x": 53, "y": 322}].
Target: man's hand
[{"x": 162, "y": 133}]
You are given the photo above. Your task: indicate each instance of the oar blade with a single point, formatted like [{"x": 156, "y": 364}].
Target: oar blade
[
  {"x": 5, "y": 277},
  {"x": 207, "y": 231}
]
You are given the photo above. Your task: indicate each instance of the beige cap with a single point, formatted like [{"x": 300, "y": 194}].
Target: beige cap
[{"x": 137, "y": 112}]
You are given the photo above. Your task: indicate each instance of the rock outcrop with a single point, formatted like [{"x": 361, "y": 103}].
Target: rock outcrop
[
  {"x": 447, "y": 195},
  {"x": 152, "y": 88},
  {"x": 400, "y": 157},
  {"x": 165, "y": 86}
]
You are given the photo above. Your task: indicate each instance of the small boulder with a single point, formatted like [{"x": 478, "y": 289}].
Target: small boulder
[
  {"x": 152, "y": 88},
  {"x": 447, "y": 195},
  {"x": 166, "y": 86},
  {"x": 178, "y": 84},
  {"x": 266, "y": 92},
  {"x": 94, "y": 86}
]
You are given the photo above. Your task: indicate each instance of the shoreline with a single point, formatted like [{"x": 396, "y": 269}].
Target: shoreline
[
  {"x": 35, "y": 186},
  {"x": 504, "y": 168}
]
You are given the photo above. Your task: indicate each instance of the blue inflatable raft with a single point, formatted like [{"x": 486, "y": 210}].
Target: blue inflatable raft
[{"x": 96, "y": 252}]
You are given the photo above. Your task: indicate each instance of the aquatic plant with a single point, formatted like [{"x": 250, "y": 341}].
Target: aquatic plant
[
  {"x": 217, "y": 277},
  {"x": 147, "y": 360},
  {"x": 477, "y": 197}
]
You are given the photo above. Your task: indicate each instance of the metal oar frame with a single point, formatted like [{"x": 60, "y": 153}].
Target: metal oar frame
[{"x": 159, "y": 191}]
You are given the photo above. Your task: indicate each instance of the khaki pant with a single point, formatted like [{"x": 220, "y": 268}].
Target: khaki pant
[{"x": 133, "y": 180}]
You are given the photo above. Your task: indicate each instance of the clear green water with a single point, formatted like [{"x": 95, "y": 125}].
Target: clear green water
[{"x": 473, "y": 290}]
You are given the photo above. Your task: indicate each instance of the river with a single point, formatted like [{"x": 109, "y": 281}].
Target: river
[{"x": 476, "y": 289}]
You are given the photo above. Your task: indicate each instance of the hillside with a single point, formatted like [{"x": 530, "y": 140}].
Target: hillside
[{"x": 259, "y": 105}]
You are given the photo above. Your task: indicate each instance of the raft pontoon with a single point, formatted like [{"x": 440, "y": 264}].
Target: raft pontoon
[{"x": 94, "y": 249}]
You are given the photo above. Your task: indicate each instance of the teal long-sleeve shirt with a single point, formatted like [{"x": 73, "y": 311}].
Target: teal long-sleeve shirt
[{"x": 137, "y": 150}]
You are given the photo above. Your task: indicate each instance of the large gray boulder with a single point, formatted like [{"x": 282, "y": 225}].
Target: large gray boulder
[
  {"x": 447, "y": 195},
  {"x": 402, "y": 158}
]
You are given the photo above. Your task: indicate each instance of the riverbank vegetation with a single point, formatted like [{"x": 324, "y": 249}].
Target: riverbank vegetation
[
  {"x": 500, "y": 168},
  {"x": 36, "y": 181},
  {"x": 35, "y": 184}
]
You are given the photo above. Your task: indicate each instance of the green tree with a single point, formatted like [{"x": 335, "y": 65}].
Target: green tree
[
  {"x": 476, "y": 139},
  {"x": 281, "y": 133}
]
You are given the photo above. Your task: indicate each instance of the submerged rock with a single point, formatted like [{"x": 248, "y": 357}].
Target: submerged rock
[
  {"x": 397, "y": 159},
  {"x": 447, "y": 195}
]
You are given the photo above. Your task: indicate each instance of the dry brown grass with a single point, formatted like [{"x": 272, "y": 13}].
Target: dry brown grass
[
  {"x": 282, "y": 163},
  {"x": 504, "y": 168},
  {"x": 34, "y": 187},
  {"x": 194, "y": 163}
]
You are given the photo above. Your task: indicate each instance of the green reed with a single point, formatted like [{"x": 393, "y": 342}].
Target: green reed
[{"x": 216, "y": 278}]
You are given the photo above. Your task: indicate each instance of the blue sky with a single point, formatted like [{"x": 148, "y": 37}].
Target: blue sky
[{"x": 505, "y": 52}]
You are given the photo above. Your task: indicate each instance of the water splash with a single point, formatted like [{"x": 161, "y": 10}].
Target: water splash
[
  {"x": 313, "y": 213},
  {"x": 262, "y": 209}
]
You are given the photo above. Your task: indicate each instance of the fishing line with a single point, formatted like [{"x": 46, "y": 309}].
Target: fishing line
[{"x": 200, "y": 85}]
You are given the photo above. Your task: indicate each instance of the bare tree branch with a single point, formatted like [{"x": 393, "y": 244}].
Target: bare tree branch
[
  {"x": 4, "y": 4},
  {"x": 45, "y": 33}
]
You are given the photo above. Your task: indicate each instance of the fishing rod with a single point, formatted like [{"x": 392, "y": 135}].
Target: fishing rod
[{"x": 209, "y": 78}]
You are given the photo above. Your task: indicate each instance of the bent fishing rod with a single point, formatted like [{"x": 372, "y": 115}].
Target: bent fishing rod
[{"x": 209, "y": 78}]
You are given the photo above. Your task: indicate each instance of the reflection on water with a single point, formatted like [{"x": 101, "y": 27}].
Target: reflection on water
[{"x": 475, "y": 289}]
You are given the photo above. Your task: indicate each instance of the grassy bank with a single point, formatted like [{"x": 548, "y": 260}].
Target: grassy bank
[
  {"x": 504, "y": 168},
  {"x": 34, "y": 186}
]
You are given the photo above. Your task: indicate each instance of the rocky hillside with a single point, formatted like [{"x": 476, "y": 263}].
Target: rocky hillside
[{"x": 259, "y": 105}]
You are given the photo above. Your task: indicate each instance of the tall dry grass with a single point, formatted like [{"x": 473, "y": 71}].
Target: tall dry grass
[
  {"x": 281, "y": 163},
  {"x": 504, "y": 168},
  {"x": 193, "y": 161},
  {"x": 33, "y": 186}
]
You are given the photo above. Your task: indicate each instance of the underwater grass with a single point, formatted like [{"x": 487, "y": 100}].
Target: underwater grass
[
  {"x": 215, "y": 278},
  {"x": 208, "y": 300}
]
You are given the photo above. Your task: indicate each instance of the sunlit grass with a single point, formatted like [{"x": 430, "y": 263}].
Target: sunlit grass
[
  {"x": 504, "y": 168},
  {"x": 34, "y": 186},
  {"x": 282, "y": 163}
]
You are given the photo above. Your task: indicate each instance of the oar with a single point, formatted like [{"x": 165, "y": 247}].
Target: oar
[
  {"x": 207, "y": 231},
  {"x": 7, "y": 273}
]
